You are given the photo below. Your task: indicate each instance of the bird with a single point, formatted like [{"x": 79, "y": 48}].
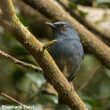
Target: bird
[{"x": 67, "y": 51}]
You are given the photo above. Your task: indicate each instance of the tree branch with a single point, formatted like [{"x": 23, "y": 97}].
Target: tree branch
[
  {"x": 51, "y": 71},
  {"x": 48, "y": 44},
  {"x": 14, "y": 100},
  {"x": 89, "y": 40},
  {"x": 21, "y": 63},
  {"x": 105, "y": 37}
]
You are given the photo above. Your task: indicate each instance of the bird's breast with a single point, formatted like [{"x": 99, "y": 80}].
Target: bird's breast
[{"x": 67, "y": 48}]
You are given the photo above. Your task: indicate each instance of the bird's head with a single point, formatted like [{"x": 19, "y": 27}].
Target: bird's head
[{"x": 61, "y": 29}]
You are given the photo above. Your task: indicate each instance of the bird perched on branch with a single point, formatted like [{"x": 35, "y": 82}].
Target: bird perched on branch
[{"x": 67, "y": 51}]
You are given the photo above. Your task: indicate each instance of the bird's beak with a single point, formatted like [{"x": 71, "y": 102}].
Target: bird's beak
[{"x": 50, "y": 24}]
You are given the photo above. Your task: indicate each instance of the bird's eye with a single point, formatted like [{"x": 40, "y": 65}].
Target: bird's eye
[{"x": 63, "y": 27}]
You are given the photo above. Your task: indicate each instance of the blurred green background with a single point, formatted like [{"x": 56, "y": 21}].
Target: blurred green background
[{"x": 92, "y": 82}]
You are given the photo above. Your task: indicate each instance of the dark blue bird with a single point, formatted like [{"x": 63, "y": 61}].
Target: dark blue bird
[{"x": 67, "y": 51}]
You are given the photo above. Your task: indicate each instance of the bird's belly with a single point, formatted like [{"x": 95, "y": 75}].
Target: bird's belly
[{"x": 67, "y": 57}]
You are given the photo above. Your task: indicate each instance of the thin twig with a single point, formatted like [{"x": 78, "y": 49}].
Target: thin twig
[
  {"x": 14, "y": 100},
  {"x": 21, "y": 63},
  {"x": 48, "y": 44}
]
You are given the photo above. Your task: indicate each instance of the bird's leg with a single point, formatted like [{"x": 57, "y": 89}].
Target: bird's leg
[{"x": 48, "y": 44}]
